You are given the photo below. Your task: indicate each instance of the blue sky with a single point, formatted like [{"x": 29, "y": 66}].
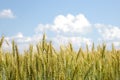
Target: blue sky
[{"x": 25, "y": 20}]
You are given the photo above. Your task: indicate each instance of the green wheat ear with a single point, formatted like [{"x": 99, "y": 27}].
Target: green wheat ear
[
  {"x": 43, "y": 41},
  {"x": 13, "y": 48},
  {"x": 1, "y": 41}
]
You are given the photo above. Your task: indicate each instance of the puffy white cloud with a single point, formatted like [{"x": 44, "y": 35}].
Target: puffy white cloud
[
  {"x": 66, "y": 29},
  {"x": 6, "y": 13},
  {"x": 69, "y": 23}
]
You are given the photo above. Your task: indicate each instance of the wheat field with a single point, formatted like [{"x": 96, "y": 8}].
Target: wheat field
[{"x": 47, "y": 63}]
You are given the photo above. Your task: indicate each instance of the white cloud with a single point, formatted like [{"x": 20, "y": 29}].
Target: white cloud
[
  {"x": 42, "y": 28},
  {"x": 108, "y": 32},
  {"x": 64, "y": 25},
  {"x": 19, "y": 35},
  {"x": 7, "y": 13},
  {"x": 76, "y": 41},
  {"x": 21, "y": 40},
  {"x": 116, "y": 44},
  {"x": 69, "y": 23},
  {"x": 70, "y": 28}
]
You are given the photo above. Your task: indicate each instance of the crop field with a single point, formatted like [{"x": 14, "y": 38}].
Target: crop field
[{"x": 47, "y": 63}]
